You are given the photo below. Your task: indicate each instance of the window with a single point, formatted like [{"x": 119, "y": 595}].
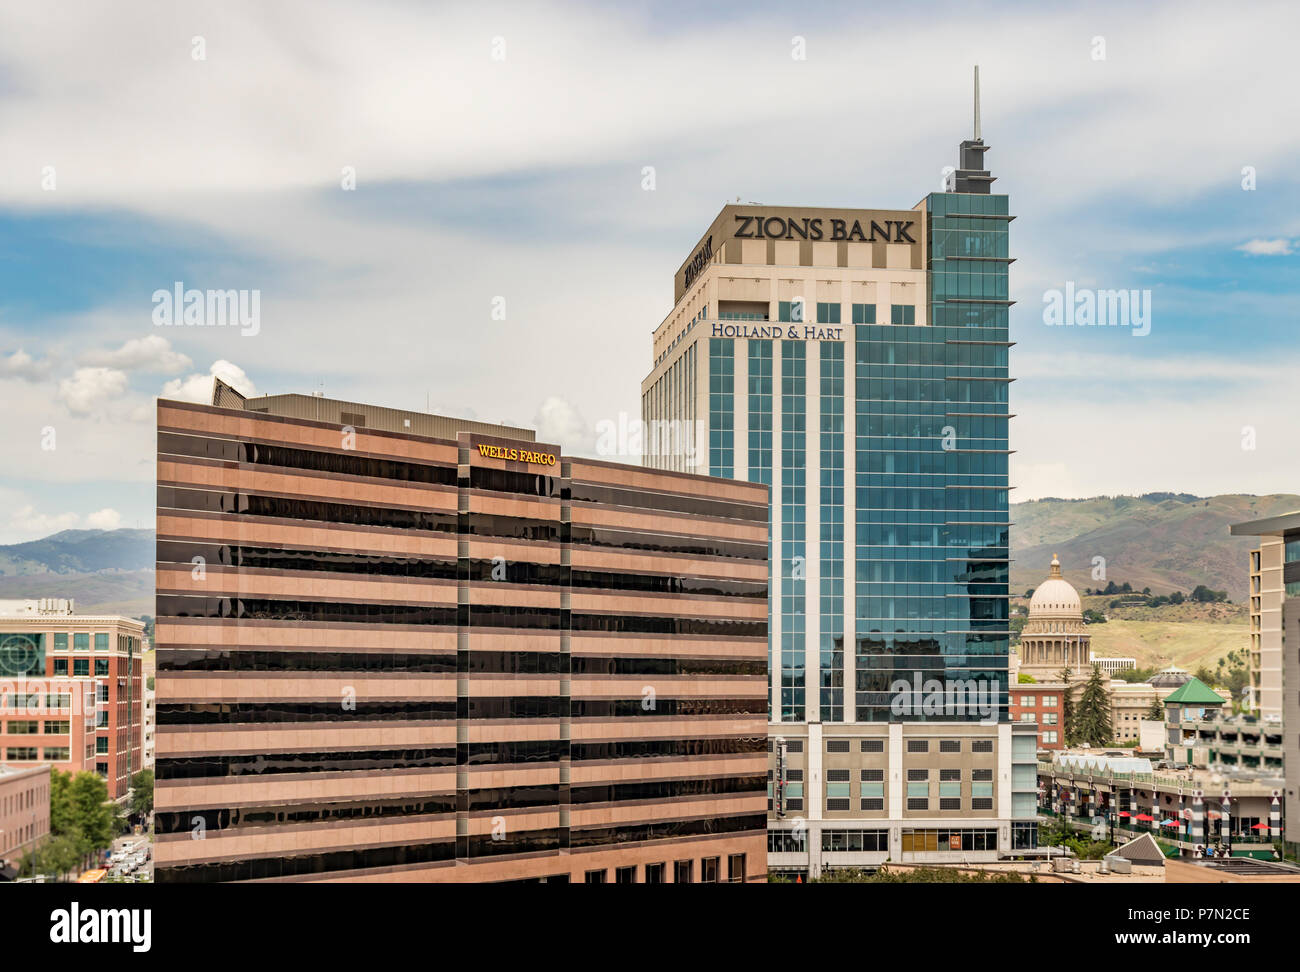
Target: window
[
  {"x": 837, "y": 745},
  {"x": 873, "y": 803},
  {"x": 918, "y": 745},
  {"x": 873, "y": 745},
  {"x": 57, "y": 728},
  {"x": 101, "y": 746},
  {"x": 709, "y": 870},
  {"x": 61, "y": 641},
  {"x": 873, "y": 776},
  {"x": 102, "y": 694},
  {"x": 837, "y": 776},
  {"x": 101, "y": 718},
  {"x": 81, "y": 642},
  {"x": 1026, "y": 717},
  {"x": 81, "y": 666},
  {"x": 837, "y": 804},
  {"x": 1049, "y": 701},
  {"x": 918, "y": 803},
  {"x": 864, "y": 313},
  {"x": 60, "y": 666},
  {"x": 101, "y": 642},
  {"x": 625, "y": 875},
  {"x": 981, "y": 803},
  {"x": 950, "y": 745},
  {"x": 684, "y": 871},
  {"x": 101, "y": 666},
  {"x": 949, "y": 775},
  {"x": 595, "y": 877},
  {"x": 855, "y": 840},
  {"x": 981, "y": 746},
  {"x": 902, "y": 314},
  {"x": 949, "y": 803},
  {"x": 1049, "y": 737},
  {"x": 736, "y": 862},
  {"x": 918, "y": 775},
  {"x": 1026, "y": 701},
  {"x": 654, "y": 874},
  {"x": 828, "y": 313},
  {"x": 982, "y": 775},
  {"x": 19, "y": 753},
  {"x": 57, "y": 754},
  {"x": 1049, "y": 718},
  {"x": 794, "y": 746}
]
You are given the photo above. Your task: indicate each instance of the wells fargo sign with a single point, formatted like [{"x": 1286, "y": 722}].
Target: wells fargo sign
[{"x": 516, "y": 455}]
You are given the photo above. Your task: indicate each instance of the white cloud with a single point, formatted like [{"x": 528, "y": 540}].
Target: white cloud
[
  {"x": 26, "y": 523},
  {"x": 91, "y": 390},
  {"x": 22, "y": 365},
  {"x": 198, "y": 388},
  {"x": 105, "y": 519},
  {"x": 153, "y": 354},
  {"x": 1267, "y": 247},
  {"x": 559, "y": 422}
]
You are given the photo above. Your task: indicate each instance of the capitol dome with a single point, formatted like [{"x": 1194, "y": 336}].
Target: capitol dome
[
  {"x": 1054, "y": 637},
  {"x": 1055, "y": 597}
]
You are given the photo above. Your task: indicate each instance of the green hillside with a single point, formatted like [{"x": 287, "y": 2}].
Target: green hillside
[
  {"x": 80, "y": 551},
  {"x": 1164, "y": 541}
]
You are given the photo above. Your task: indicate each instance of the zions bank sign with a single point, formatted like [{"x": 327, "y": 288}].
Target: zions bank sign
[
  {"x": 798, "y": 224},
  {"x": 819, "y": 228}
]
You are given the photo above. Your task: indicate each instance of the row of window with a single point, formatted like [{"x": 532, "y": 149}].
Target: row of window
[
  {"x": 683, "y": 872},
  {"x": 33, "y": 727},
  {"x": 49, "y": 754}
]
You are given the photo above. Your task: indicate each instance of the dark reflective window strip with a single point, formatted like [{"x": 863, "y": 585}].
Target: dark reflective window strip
[
  {"x": 674, "y": 828},
  {"x": 194, "y": 767},
  {"x": 289, "y": 457},
  {"x": 279, "y": 867}
]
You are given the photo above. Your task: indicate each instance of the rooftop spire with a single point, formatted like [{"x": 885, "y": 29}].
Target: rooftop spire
[{"x": 977, "y": 102}]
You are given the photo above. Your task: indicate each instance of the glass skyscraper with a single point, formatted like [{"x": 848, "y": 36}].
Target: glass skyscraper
[{"x": 857, "y": 363}]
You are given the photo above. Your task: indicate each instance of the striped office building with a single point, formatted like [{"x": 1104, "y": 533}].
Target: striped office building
[{"x": 399, "y": 647}]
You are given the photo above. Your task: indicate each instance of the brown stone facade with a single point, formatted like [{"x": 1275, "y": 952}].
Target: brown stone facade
[{"x": 388, "y": 657}]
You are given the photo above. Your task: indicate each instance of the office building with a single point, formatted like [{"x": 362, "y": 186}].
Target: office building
[
  {"x": 1274, "y": 624},
  {"x": 71, "y": 690},
  {"x": 24, "y": 814},
  {"x": 400, "y": 647},
  {"x": 856, "y": 361}
]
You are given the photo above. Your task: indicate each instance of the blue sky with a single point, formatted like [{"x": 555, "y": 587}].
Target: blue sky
[{"x": 127, "y": 162}]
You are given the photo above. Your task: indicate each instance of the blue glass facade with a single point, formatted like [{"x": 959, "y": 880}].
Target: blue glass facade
[
  {"x": 722, "y": 407},
  {"x": 931, "y": 416},
  {"x": 794, "y": 527},
  {"x": 831, "y": 518}
]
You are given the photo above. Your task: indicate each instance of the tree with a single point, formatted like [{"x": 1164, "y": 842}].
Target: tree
[
  {"x": 1157, "y": 710},
  {"x": 57, "y": 855},
  {"x": 1092, "y": 715},
  {"x": 142, "y": 793},
  {"x": 1067, "y": 706}
]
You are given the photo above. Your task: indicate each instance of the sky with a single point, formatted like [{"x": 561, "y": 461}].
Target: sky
[{"x": 478, "y": 209}]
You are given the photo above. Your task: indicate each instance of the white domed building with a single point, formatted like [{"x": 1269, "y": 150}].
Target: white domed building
[{"x": 1054, "y": 637}]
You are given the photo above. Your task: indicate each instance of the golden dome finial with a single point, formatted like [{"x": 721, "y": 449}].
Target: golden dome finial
[{"x": 1056, "y": 566}]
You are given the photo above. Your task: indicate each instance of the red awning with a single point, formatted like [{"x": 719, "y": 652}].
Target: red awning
[
  {"x": 1123, "y": 813},
  {"x": 1144, "y": 816},
  {"x": 1260, "y": 826}
]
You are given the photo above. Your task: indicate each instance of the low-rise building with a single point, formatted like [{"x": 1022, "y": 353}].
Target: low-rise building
[
  {"x": 1184, "y": 809},
  {"x": 1043, "y": 705},
  {"x": 50, "y": 658},
  {"x": 24, "y": 813}
]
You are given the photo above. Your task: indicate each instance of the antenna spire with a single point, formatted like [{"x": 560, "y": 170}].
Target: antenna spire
[{"x": 977, "y": 102}]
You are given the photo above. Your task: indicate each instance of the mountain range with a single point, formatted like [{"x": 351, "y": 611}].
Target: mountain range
[{"x": 1165, "y": 541}]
